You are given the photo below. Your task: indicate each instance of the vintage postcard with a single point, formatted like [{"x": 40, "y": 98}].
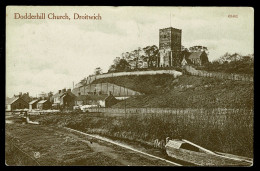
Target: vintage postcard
[{"x": 129, "y": 86}]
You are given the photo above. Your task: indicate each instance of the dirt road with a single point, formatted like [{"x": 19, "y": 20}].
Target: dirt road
[{"x": 58, "y": 146}]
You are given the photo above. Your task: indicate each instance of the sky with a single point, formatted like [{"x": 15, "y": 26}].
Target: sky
[{"x": 49, "y": 55}]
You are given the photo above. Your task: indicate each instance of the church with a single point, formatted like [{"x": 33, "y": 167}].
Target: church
[{"x": 170, "y": 52}]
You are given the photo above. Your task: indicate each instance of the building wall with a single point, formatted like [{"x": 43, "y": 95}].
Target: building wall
[
  {"x": 110, "y": 101},
  {"x": 19, "y": 104},
  {"x": 79, "y": 102},
  {"x": 102, "y": 103},
  {"x": 8, "y": 107},
  {"x": 170, "y": 47},
  {"x": 105, "y": 88},
  {"x": 33, "y": 106}
]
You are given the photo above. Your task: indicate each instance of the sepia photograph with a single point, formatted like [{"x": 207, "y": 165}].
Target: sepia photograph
[{"x": 129, "y": 86}]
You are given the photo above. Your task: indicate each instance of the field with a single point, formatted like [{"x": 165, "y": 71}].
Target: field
[
  {"x": 230, "y": 133},
  {"x": 46, "y": 145}
]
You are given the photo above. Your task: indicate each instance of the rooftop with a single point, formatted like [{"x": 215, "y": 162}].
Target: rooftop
[{"x": 11, "y": 100}]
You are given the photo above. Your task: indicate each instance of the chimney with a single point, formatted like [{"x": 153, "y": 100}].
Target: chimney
[
  {"x": 79, "y": 93},
  {"x": 59, "y": 91},
  {"x": 110, "y": 93},
  {"x": 20, "y": 94},
  {"x": 28, "y": 93}
]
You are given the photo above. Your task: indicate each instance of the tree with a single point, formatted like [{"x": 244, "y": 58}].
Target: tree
[
  {"x": 151, "y": 52},
  {"x": 199, "y": 48},
  {"x": 224, "y": 58},
  {"x": 123, "y": 65},
  {"x": 119, "y": 65},
  {"x": 183, "y": 48},
  {"x": 135, "y": 54},
  {"x": 97, "y": 71}
]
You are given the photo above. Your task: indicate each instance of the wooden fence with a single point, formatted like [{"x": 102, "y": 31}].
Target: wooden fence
[
  {"x": 165, "y": 110},
  {"x": 236, "y": 77},
  {"x": 217, "y": 117}
]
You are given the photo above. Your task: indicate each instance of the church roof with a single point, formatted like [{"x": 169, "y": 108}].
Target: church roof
[{"x": 195, "y": 55}]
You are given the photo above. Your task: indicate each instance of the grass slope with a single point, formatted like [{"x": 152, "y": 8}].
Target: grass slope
[{"x": 184, "y": 92}]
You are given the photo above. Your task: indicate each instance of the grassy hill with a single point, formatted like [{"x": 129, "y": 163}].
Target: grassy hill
[{"x": 184, "y": 92}]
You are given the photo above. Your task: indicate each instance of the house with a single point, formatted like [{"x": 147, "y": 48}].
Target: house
[
  {"x": 24, "y": 96},
  {"x": 33, "y": 104},
  {"x": 197, "y": 58},
  {"x": 15, "y": 103},
  {"x": 101, "y": 100},
  {"x": 81, "y": 100},
  {"x": 109, "y": 101},
  {"x": 44, "y": 105},
  {"x": 63, "y": 99}
]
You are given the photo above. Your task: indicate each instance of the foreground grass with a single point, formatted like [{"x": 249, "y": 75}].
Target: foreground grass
[
  {"x": 55, "y": 148},
  {"x": 234, "y": 136}
]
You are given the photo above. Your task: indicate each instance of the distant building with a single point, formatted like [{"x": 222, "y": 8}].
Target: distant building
[
  {"x": 81, "y": 100},
  {"x": 99, "y": 100},
  {"x": 169, "y": 47},
  {"x": 195, "y": 58},
  {"x": 33, "y": 104},
  {"x": 44, "y": 105},
  {"x": 15, "y": 103},
  {"x": 24, "y": 96},
  {"x": 170, "y": 52},
  {"x": 63, "y": 99}
]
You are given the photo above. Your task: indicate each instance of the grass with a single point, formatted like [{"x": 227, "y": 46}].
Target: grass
[
  {"x": 233, "y": 135},
  {"x": 148, "y": 84},
  {"x": 54, "y": 146},
  {"x": 191, "y": 92}
]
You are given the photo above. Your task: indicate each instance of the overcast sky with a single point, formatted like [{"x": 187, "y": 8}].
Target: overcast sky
[{"x": 48, "y": 55}]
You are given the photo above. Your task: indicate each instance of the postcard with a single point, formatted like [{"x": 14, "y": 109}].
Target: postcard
[{"x": 129, "y": 86}]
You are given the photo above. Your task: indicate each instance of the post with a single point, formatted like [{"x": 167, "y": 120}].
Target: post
[
  {"x": 125, "y": 102},
  {"x": 107, "y": 89}
]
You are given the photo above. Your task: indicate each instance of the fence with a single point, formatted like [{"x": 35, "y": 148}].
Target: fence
[
  {"x": 164, "y": 110},
  {"x": 236, "y": 77},
  {"x": 217, "y": 117}
]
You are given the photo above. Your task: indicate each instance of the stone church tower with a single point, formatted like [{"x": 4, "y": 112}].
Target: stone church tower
[{"x": 170, "y": 47}]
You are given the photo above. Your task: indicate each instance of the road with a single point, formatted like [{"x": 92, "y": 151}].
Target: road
[{"x": 60, "y": 146}]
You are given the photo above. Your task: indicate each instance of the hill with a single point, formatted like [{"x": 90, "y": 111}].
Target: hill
[{"x": 185, "y": 92}]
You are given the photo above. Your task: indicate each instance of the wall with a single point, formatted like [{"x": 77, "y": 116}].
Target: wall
[{"x": 90, "y": 79}]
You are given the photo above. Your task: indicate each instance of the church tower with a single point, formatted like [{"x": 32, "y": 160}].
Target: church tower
[{"x": 170, "y": 47}]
